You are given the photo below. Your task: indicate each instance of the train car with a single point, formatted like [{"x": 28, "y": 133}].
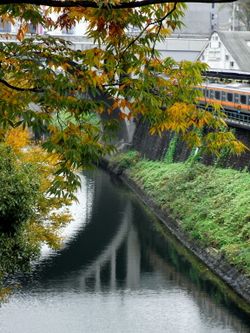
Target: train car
[{"x": 234, "y": 98}]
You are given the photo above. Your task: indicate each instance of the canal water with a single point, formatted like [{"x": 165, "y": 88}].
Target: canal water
[{"x": 118, "y": 271}]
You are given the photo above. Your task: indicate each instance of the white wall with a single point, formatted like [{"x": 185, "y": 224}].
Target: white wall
[{"x": 217, "y": 56}]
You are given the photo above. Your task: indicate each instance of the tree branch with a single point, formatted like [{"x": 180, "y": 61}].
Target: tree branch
[
  {"x": 7, "y": 84},
  {"x": 92, "y": 4},
  {"x": 160, "y": 21}
]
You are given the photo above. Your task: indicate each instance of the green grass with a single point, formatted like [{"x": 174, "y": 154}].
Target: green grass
[{"x": 211, "y": 204}]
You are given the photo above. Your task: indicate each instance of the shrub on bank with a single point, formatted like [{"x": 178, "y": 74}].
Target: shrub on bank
[
  {"x": 211, "y": 204},
  {"x": 29, "y": 216},
  {"x": 19, "y": 191},
  {"x": 124, "y": 161}
]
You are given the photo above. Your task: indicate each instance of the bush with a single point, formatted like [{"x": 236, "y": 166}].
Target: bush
[
  {"x": 19, "y": 191},
  {"x": 124, "y": 161},
  {"x": 16, "y": 253}
]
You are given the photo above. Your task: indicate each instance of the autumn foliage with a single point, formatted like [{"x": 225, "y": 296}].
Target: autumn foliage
[
  {"x": 42, "y": 78},
  {"x": 17, "y": 138},
  {"x": 29, "y": 175}
]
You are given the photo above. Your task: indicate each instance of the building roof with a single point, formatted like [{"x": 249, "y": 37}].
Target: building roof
[{"x": 238, "y": 45}]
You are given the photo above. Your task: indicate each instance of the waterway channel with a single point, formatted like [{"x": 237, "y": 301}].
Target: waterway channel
[{"x": 117, "y": 273}]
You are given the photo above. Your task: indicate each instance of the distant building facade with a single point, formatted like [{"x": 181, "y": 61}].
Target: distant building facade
[
  {"x": 228, "y": 50},
  {"x": 184, "y": 44},
  {"x": 7, "y": 27},
  {"x": 203, "y": 19}
]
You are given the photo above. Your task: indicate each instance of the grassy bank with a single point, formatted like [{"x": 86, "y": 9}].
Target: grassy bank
[{"x": 210, "y": 204}]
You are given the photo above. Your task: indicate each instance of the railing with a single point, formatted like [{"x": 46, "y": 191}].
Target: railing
[
  {"x": 239, "y": 118},
  {"x": 234, "y": 117}
]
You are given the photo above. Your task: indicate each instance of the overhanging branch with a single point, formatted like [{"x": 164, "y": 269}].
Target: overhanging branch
[
  {"x": 92, "y": 4},
  {"x": 7, "y": 84}
]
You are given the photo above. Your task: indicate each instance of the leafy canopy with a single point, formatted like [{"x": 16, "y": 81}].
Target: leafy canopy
[{"x": 43, "y": 79}]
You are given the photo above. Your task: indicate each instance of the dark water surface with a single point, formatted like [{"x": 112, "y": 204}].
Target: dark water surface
[{"x": 117, "y": 274}]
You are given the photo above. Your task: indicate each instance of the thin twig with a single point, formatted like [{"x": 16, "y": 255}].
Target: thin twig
[
  {"x": 160, "y": 21},
  {"x": 146, "y": 27}
]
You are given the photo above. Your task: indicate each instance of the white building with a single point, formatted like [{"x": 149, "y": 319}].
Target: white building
[{"x": 228, "y": 50}]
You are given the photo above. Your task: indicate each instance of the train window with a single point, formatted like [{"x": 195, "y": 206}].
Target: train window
[
  {"x": 243, "y": 99},
  {"x": 217, "y": 95},
  {"x": 229, "y": 97}
]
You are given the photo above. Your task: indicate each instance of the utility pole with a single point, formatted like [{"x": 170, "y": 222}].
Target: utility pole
[{"x": 233, "y": 17}]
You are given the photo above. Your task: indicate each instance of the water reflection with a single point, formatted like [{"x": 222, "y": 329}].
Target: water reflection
[
  {"x": 80, "y": 211},
  {"x": 117, "y": 275}
]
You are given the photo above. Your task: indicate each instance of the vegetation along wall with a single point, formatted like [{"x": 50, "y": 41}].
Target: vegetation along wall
[{"x": 155, "y": 147}]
